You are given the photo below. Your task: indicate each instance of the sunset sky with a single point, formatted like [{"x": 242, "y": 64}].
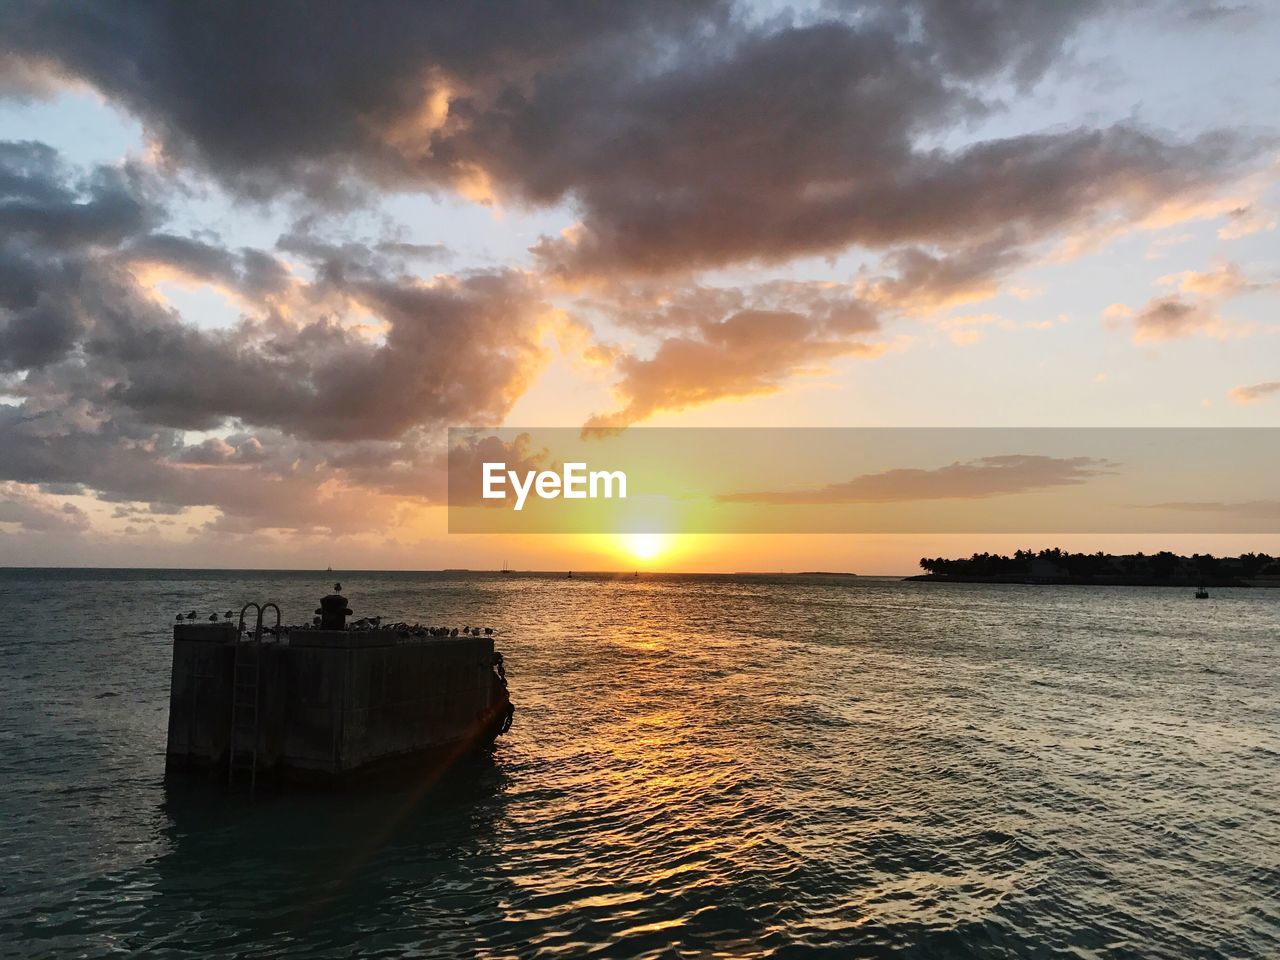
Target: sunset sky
[{"x": 256, "y": 259}]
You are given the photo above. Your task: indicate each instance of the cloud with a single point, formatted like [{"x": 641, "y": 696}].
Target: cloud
[
  {"x": 26, "y": 507},
  {"x": 746, "y": 354},
  {"x": 393, "y": 96},
  {"x": 1246, "y": 509},
  {"x": 1193, "y": 309},
  {"x": 43, "y": 205},
  {"x": 325, "y": 401},
  {"x": 1171, "y": 318},
  {"x": 733, "y": 343},
  {"x": 1034, "y": 185},
  {"x": 452, "y": 349},
  {"x": 924, "y": 282},
  {"x": 1255, "y": 392},
  {"x": 1223, "y": 282},
  {"x": 1245, "y": 221},
  {"x": 686, "y": 135},
  {"x": 1235, "y": 15},
  {"x": 456, "y": 350},
  {"x": 220, "y": 450},
  {"x": 970, "y": 480},
  {"x": 250, "y": 273},
  {"x": 683, "y": 135}
]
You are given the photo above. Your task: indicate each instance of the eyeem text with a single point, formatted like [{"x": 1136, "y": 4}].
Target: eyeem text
[{"x": 575, "y": 482}]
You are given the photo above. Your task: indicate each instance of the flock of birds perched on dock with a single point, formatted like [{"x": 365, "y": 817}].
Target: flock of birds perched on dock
[
  {"x": 213, "y": 617},
  {"x": 364, "y": 623},
  {"x": 412, "y": 629}
]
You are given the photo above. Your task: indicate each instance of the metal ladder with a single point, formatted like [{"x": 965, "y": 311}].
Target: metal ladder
[{"x": 246, "y": 698}]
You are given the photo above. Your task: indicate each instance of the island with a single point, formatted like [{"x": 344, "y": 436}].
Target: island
[{"x": 1056, "y": 566}]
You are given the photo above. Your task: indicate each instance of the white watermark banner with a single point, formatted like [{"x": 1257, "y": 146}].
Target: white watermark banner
[{"x": 864, "y": 480}]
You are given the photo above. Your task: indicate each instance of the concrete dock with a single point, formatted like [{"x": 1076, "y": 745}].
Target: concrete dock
[{"x": 327, "y": 705}]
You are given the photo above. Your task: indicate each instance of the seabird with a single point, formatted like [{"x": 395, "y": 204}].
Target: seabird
[
  {"x": 213, "y": 618},
  {"x": 191, "y": 615},
  {"x": 488, "y": 631},
  {"x": 227, "y": 615},
  {"x": 453, "y": 632}
]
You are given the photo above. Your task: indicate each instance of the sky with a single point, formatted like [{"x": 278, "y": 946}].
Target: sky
[{"x": 255, "y": 260}]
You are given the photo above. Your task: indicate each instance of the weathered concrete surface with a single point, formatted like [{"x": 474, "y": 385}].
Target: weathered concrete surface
[{"x": 332, "y": 703}]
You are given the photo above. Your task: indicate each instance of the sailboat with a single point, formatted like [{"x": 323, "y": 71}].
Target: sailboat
[{"x": 505, "y": 569}]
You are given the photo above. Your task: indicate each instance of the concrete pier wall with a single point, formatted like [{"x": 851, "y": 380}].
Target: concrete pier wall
[{"x": 331, "y": 703}]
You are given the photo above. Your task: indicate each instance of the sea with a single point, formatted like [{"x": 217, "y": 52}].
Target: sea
[{"x": 699, "y": 766}]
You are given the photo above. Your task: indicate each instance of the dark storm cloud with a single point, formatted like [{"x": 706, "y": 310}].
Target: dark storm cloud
[
  {"x": 686, "y": 135},
  {"x": 975, "y": 479}
]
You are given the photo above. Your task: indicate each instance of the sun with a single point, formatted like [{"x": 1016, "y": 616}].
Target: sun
[{"x": 644, "y": 546}]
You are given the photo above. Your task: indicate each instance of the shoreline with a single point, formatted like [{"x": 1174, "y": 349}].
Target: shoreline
[{"x": 1180, "y": 584}]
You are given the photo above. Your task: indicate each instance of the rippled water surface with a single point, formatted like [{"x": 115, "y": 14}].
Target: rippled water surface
[{"x": 700, "y": 766}]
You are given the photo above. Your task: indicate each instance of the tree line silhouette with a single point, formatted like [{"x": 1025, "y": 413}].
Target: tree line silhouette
[{"x": 1057, "y": 564}]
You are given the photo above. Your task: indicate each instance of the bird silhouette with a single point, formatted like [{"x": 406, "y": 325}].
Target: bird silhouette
[
  {"x": 488, "y": 631},
  {"x": 191, "y": 615},
  {"x": 179, "y": 617},
  {"x": 453, "y": 632},
  {"x": 227, "y": 615},
  {"x": 213, "y": 618}
]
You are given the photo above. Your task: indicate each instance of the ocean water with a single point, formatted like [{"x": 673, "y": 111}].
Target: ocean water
[{"x": 699, "y": 767}]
